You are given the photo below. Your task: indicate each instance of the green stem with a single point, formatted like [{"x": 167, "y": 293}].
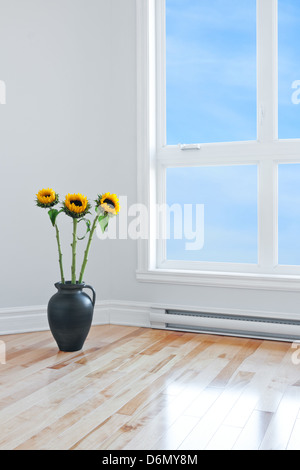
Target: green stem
[
  {"x": 74, "y": 245},
  {"x": 60, "y": 255},
  {"x": 86, "y": 253}
]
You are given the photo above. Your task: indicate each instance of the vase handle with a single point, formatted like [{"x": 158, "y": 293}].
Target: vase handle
[{"x": 94, "y": 294}]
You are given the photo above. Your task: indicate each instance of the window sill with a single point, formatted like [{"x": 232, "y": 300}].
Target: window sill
[{"x": 221, "y": 279}]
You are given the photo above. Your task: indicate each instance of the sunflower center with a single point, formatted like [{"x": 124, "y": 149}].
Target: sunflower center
[
  {"x": 47, "y": 195},
  {"x": 76, "y": 203},
  {"x": 109, "y": 202}
]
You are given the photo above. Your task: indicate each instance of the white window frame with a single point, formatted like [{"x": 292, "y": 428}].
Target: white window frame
[{"x": 154, "y": 156}]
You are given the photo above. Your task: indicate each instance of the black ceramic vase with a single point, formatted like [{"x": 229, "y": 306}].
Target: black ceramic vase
[{"x": 70, "y": 315}]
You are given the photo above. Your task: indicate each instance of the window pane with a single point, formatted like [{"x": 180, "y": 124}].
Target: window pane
[
  {"x": 289, "y": 70},
  {"x": 219, "y": 214},
  {"x": 211, "y": 71},
  {"x": 289, "y": 214}
]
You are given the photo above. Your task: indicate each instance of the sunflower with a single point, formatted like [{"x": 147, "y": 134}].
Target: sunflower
[
  {"x": 46, "y": 198},
  {"x": 108, "y": 203},
  {"x": 76, "y": 205}
]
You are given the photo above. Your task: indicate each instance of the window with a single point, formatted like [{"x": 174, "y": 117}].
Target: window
[
  {"x": 289, "y": 70},
  {"x": 289, "y": 214},
  {"x": 225, "y": 227},
  {"x": 210, "y": 70},
  {"x": 219, "y": 144}
]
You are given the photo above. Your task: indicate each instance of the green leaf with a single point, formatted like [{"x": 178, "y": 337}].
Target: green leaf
[
  {"x": 103, "y": 222},
  {"x": 53, "y": 213},
  {"x": 88, "y": 228}
]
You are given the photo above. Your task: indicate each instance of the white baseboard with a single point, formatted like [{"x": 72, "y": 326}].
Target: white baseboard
[
  {"x": 30, "y": 319},
  {"x": 23, "y": 320},
  {"x": 129, "y": 313},
  {"x": 146, "y": 315}
]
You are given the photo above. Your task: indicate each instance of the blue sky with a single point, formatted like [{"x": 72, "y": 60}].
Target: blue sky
[
  {"x": 289, "y": 214},
  {"x": 230, "y": 222},
  {"x": 211, "y": 70},
  {"x": 289, "y": 128},
  {"x": 289, "y": 67},
  {"x": 211, "y": 97}
]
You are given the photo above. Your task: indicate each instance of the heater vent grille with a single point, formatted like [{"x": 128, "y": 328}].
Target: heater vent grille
[
  {"x": 233, "y": 317},
  {"x": 253, "y": 326}
]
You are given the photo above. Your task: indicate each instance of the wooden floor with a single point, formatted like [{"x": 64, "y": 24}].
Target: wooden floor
[{"x": 134, "y": 388}]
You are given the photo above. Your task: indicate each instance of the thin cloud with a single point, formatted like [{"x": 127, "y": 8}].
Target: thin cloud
[{"x": 211, "y": 71}]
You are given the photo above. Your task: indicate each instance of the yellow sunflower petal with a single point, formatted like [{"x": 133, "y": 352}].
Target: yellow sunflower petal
[
  {"x": 46, "y": 196},
  {"x": 76, "y": 203},
  {"x": 110, "y": 203}
]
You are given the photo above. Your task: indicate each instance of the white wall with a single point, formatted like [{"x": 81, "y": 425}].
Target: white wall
[
  {"x": 70, "y": 123},
  {"x": 55, "y": 57}
]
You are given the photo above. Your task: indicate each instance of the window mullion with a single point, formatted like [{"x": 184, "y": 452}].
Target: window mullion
[
  {"x": 267, "y": 215},
  {"x": 267, "y": 70},
  {"x": 161, "y": 124},
  {"x": 267, "y": 125}
]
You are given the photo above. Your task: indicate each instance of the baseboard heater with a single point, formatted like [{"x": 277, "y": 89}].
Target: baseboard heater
[{"x": 226, "y": 324}]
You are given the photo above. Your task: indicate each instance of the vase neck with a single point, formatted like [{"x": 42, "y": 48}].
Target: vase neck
[{"x": 69, "y": 287}]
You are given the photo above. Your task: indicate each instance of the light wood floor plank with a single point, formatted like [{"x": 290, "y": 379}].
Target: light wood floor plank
[
  {"x": 294, "y": 441},
  {"x": 283, "y": 421},
  {"x": 224, "y": 438},
  {"x": 137, "y": 388},
  {"x": 254, "y": 431}
]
